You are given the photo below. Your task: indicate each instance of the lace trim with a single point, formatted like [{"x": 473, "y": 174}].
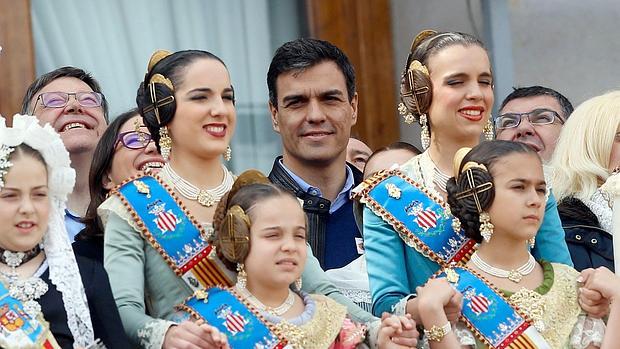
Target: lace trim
[
  {"x": 587, "y": 331},
  {"x": 321, "y": 330},
  {"x": 599, "y": 204},
  {"x": 152, "y": 335},
  {"x": 400, "y": 308}
]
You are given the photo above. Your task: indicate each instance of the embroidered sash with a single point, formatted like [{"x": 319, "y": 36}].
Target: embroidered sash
[
  {"x": 172, "y": 232},
  {"x": 244, "y": 327},
  {"x": 18, "y": 329},
  {"x": 490, "y": 316},
  {"x": 421, "y": 219}
]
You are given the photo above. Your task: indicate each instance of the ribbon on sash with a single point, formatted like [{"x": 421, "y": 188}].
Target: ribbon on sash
[
  {"x": 421, "y": 219},
  {"x": 224, "y": 309},
  {"x": 489, "y": 315},
  {"x": 173, "y": 232},
  {"x": 18, "y": 329}
]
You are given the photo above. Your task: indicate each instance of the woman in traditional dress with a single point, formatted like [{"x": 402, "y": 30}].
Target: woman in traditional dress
[
  {"x": 261, "y": 228},
  {"x": 124, "y": 149},
  {"x": 155, "y": 248},
  {"x": 448, "y": 86},
  {"x": 587, "y": 153},
  {"x": 42, "y": 281},
  {"x": 509, "y": 298}
]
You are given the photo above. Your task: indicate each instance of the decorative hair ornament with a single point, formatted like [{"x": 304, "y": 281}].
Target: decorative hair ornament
[
  {"x": 5, "y": 164},
  {"x": 458, "y": 158},
  {"x": 156, "y": 57},
  {"x": 63, "y": 269},
  {"x": 234, "y": 242}
]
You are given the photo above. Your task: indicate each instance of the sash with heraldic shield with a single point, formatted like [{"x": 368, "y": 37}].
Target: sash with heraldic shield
[
  {"x": 489, "y": 315},
  {"x": 173, "y": 232},
  {"x": 421, "y": 219},
  {"x": 224, "y": 309},
  {"x": 20, "y": 330}
]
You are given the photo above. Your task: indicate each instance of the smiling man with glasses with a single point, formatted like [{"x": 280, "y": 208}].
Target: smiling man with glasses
[
  {"x": 533, "y": 115},
  {"x": 70, "y": 100}
]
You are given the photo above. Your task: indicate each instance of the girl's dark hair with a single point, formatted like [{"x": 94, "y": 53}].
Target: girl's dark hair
[
  {"x": 487, "y": 154},
  {"x": 24, "y": 149},
  {"x": 426, "y": 48},
  {"x": 171, "y": 67},
  {"x": 99, "y": 168}
]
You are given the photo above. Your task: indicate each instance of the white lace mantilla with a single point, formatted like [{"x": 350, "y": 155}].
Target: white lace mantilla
[{"x": 64, "y": 272}]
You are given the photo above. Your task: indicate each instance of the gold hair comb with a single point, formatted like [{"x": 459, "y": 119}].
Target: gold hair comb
[{"x": 156, "y": 57}]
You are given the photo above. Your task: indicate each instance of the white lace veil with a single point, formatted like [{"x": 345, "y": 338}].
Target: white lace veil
[{"x": 63, "y": 269}]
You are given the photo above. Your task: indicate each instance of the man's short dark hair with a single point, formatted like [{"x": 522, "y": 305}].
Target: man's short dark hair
[
  {"x": 535, "y": 91},
  {"x": 300, "y": 54},
  {"x": 64, "y": 72}
]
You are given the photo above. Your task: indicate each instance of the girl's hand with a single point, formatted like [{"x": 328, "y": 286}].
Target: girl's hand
[
  {"x": 194, "y": 335},
  {"x": 397, "y": 332}
]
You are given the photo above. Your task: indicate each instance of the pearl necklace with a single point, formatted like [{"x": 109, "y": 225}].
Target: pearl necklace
[
  {"x": 440, "y": 179},
  {"x": 277, "y": 311},
  {"x": 206, "y": 197},
  {"x": 514, "y": 275}
]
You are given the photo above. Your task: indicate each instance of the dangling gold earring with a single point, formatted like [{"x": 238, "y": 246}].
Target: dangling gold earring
[
  {"x": 407, "y": 116},
  {"x": 242, "y": 277},
  {"x": 165, "y": 142},
  {"x": 425, "y": 136},
  {"x": 488, "y": 129},
  {"x": 456, "y": 224},
  {"x": 298, "y": 284},
  {"x": 486, "y": 227},
  {"x": 531, "y": 242},
  {"x": 228, "y": 154}
]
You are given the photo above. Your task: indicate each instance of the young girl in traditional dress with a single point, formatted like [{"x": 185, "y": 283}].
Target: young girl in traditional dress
[
  {"x": 262, "y": 228},
  {"x": 498, "y": 194},
  {"x": 41, "y": 280}
]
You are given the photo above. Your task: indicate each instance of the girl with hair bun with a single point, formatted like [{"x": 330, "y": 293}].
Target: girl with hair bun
[
  {"x": 498, "y": 194},
  {"x": 261, "y": 228},
  {"x": 409, "y": 233}
]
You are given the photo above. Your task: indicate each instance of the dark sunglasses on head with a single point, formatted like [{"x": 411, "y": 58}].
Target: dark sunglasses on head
[{"x": 134, "y": 139}]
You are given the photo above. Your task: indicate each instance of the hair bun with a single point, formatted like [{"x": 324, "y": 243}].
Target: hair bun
[{"x": 234, "y": 239}]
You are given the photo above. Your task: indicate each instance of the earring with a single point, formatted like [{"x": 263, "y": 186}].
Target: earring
[
  {"x": 228, "y": 154},
  {"x": 298, "y": 284},
  {"x": 488, "y": 130},
  {"x": 407, "y": 116},
  {"x": 165, "y": 142},
  {"x": 242, "y": 277},
  {"x": 425, "y": 136},
  {"x": 531, "y": 242},
  {"x": 486, "y": 227}
]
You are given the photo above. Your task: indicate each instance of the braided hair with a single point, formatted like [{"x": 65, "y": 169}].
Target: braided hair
[{"x": 465, "y": 207}]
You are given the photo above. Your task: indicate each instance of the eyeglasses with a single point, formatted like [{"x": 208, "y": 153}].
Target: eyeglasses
[
  {"x": 134, "y": 139},
  {"x": 60, "y": 99},
  {"x": 535, "y": 117}
]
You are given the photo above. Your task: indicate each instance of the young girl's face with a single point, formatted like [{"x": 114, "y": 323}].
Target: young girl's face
[
  {"x": 278, "y": 242},
  {"x": 24, "y": 204},
  {"x": 520, "y": 196}
]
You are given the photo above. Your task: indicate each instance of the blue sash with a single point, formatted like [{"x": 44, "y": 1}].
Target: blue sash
[
  {"x": 170, "y": 229},
  {"x": 421, "y": 219},
  {"x": 489, "y": 315},
  {"x": 18, "y": 329},
  {"x": 243, "y": 326}
]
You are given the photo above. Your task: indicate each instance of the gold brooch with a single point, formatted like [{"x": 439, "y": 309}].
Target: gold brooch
[
  {"x": 142, "y": 188},
  {"x": 393, "y": 190},
  {"x": 201, "y": 295},
  {"x": 452, "y": 276}
]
